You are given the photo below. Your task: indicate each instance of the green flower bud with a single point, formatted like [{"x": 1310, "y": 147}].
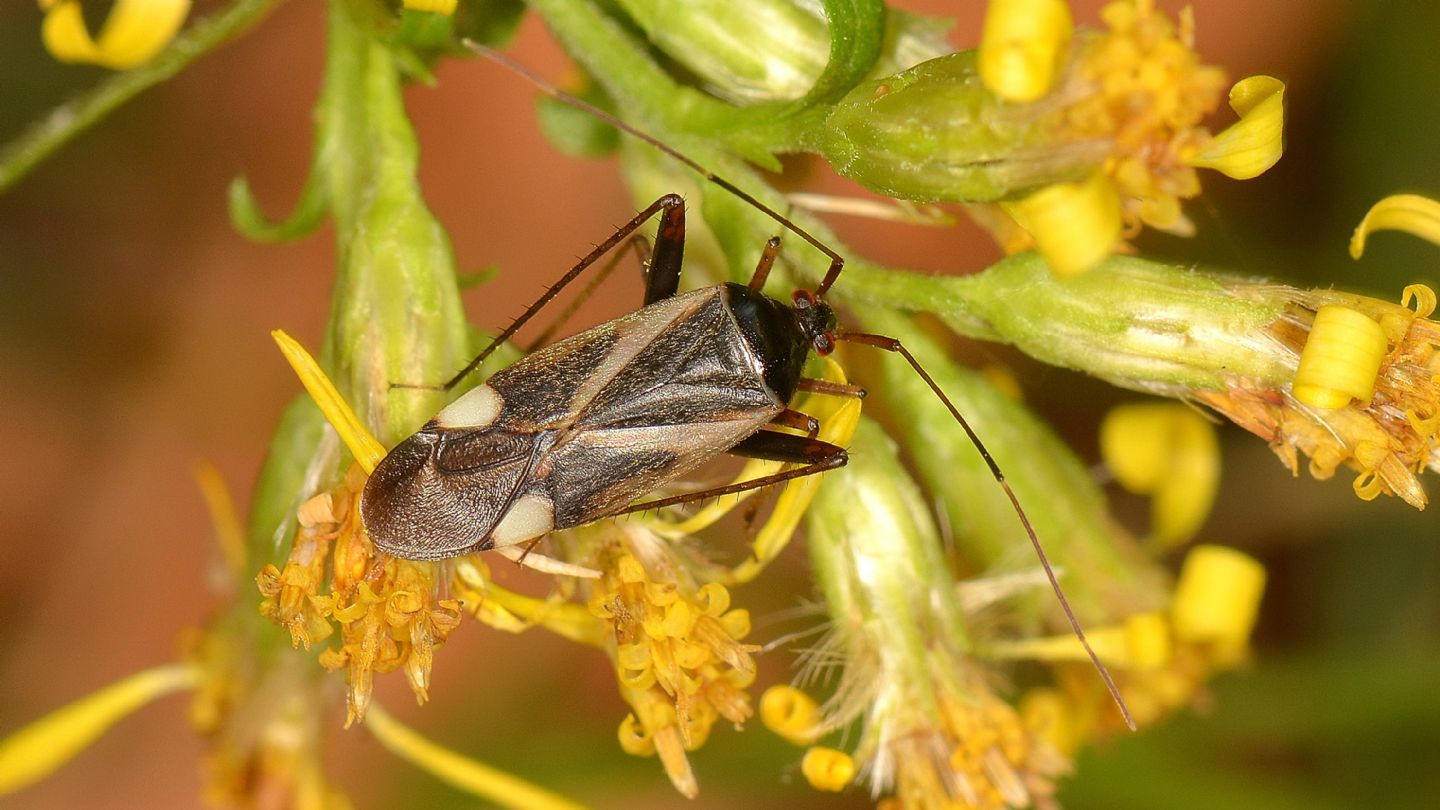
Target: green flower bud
[
  {"x": 743, "y": 51},
  {"x": 934, "y": 133},
  {"x": 877, "y": 556}
]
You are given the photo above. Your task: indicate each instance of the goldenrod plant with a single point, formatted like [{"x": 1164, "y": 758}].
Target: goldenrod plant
[{"x": 880, "y": 635}]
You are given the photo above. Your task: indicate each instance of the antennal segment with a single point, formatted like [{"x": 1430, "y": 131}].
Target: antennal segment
[{"x": 837, "y": 262}]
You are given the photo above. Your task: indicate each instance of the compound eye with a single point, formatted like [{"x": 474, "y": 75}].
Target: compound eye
[
  {"x": 802, "y": 299},
  {"x": 824, "y": 343}
]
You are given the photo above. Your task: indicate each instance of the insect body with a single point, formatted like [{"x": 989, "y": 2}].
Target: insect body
[
  {"x": 581, "y": 429},
  {"x": 577, "y": 431}
]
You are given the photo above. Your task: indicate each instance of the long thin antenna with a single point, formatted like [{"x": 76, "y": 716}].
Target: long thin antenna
[
  {"x": 837, "y": 262},
  {"x": 890, "y": 344}
]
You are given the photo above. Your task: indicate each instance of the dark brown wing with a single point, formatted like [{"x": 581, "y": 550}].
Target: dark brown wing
[
  {"x": 439, "y": 494},
  {"x": 676, "y": 386}
]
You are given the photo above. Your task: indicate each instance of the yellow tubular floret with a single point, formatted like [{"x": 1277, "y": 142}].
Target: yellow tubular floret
[
  {"x": 365, "y": 447},
  {"x": 1410, "y": 213},
  {"x": 827, "y": 769},
  {"x": 35, "y": 751},
  {"x": 791, "y": 713},
  {"x": 1074, "y": 225},
  {"x": 1170, "y": 452},
  {"x": 1341, "y": 359},
  {"x": 134, "y": 32},
  {"x": 1217, "y": 599},
  {"x": 1022, "y": 47},
  {"x": 1254, "y": 143}
]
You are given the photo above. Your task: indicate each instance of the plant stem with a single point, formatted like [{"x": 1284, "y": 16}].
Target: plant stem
[{"x": 70, "y": 119}]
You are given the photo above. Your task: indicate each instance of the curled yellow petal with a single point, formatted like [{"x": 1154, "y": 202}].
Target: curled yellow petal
[
  {"x": 791, "y": 713},
  {"x": 459, "y": 771},
  {"x": 827, "y": 769},
  {"x": 1422, "y": 296},
  {"x": 1022, "y": 46},
  {"x": 446, "y": 7},
  {"x": 1217, "y": 598},
  {"x": 1170, "y": 452},
  {"x": 1411, "y": 213},
  {"x": 1075, "y": 225},
  {"x": 131, "y": 35},
  {"x": 35, "y": 751},
  {"x": 1341, "y": 359},
  {"x": 365, "y": 447},
  {"x": 1253, "y": 144}
]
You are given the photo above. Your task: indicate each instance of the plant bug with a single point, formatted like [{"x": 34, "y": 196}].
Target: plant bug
[{"x": 580, "y": 429}]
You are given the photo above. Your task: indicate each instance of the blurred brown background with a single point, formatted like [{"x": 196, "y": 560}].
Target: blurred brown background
[{"x": 134, "y": 342}]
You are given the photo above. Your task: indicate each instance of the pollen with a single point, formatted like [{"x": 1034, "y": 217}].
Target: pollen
[
  {"x": 1022, "y": 47},
  {"x": 132, "y": 34}
]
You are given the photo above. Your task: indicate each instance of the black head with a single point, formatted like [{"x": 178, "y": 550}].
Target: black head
[{"x": 816, "y": 320}]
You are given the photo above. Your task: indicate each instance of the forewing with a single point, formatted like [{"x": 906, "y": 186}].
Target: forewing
[
  {"x": 672, "y": 399},
  {"x": 440, "y": 494}
]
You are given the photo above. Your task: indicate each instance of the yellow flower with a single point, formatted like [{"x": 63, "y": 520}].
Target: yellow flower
[
  {"x": 1380, "y": 419},
  {"x": 1169, "y": 451},
  {"x": 1139, "y": 93},
  {"x": 676, "y": 648},
  {"x": 132, "y": 34}
]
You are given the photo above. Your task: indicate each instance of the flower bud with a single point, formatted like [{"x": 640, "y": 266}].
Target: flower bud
[
  {"x": 744, "y": 51},
  {"x": 934, "y": 133}
]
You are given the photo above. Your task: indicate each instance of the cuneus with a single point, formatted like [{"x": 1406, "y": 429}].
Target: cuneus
[{"x": 586, "y": 427}]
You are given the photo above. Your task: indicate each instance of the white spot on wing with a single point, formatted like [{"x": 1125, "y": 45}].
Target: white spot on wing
[
  {"x": 528, "y": 518},
  {"x": 478, "y": 408}
]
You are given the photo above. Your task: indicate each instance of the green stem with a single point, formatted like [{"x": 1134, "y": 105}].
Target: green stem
[
  {"x": 622, "y": 64},
  {"x": 70, "y": 119}
]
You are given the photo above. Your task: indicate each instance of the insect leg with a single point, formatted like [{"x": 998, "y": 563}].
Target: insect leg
[
  {"x": 890, "y": 344},
  {"x": 545, "y": 565},
  {"x": 815, "y": 456},
  {"x": 767, "y": 261},
  {"x": 636, "y": 244},
  {"x": 837, "y": 262},
  {"x": 797, "y": 420},
  {"x": 829, "y": 388},
  {"x": 674, "y": 208}
]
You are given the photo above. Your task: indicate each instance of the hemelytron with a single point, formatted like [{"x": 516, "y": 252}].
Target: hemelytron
[{"x": 584, "y": 428}]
